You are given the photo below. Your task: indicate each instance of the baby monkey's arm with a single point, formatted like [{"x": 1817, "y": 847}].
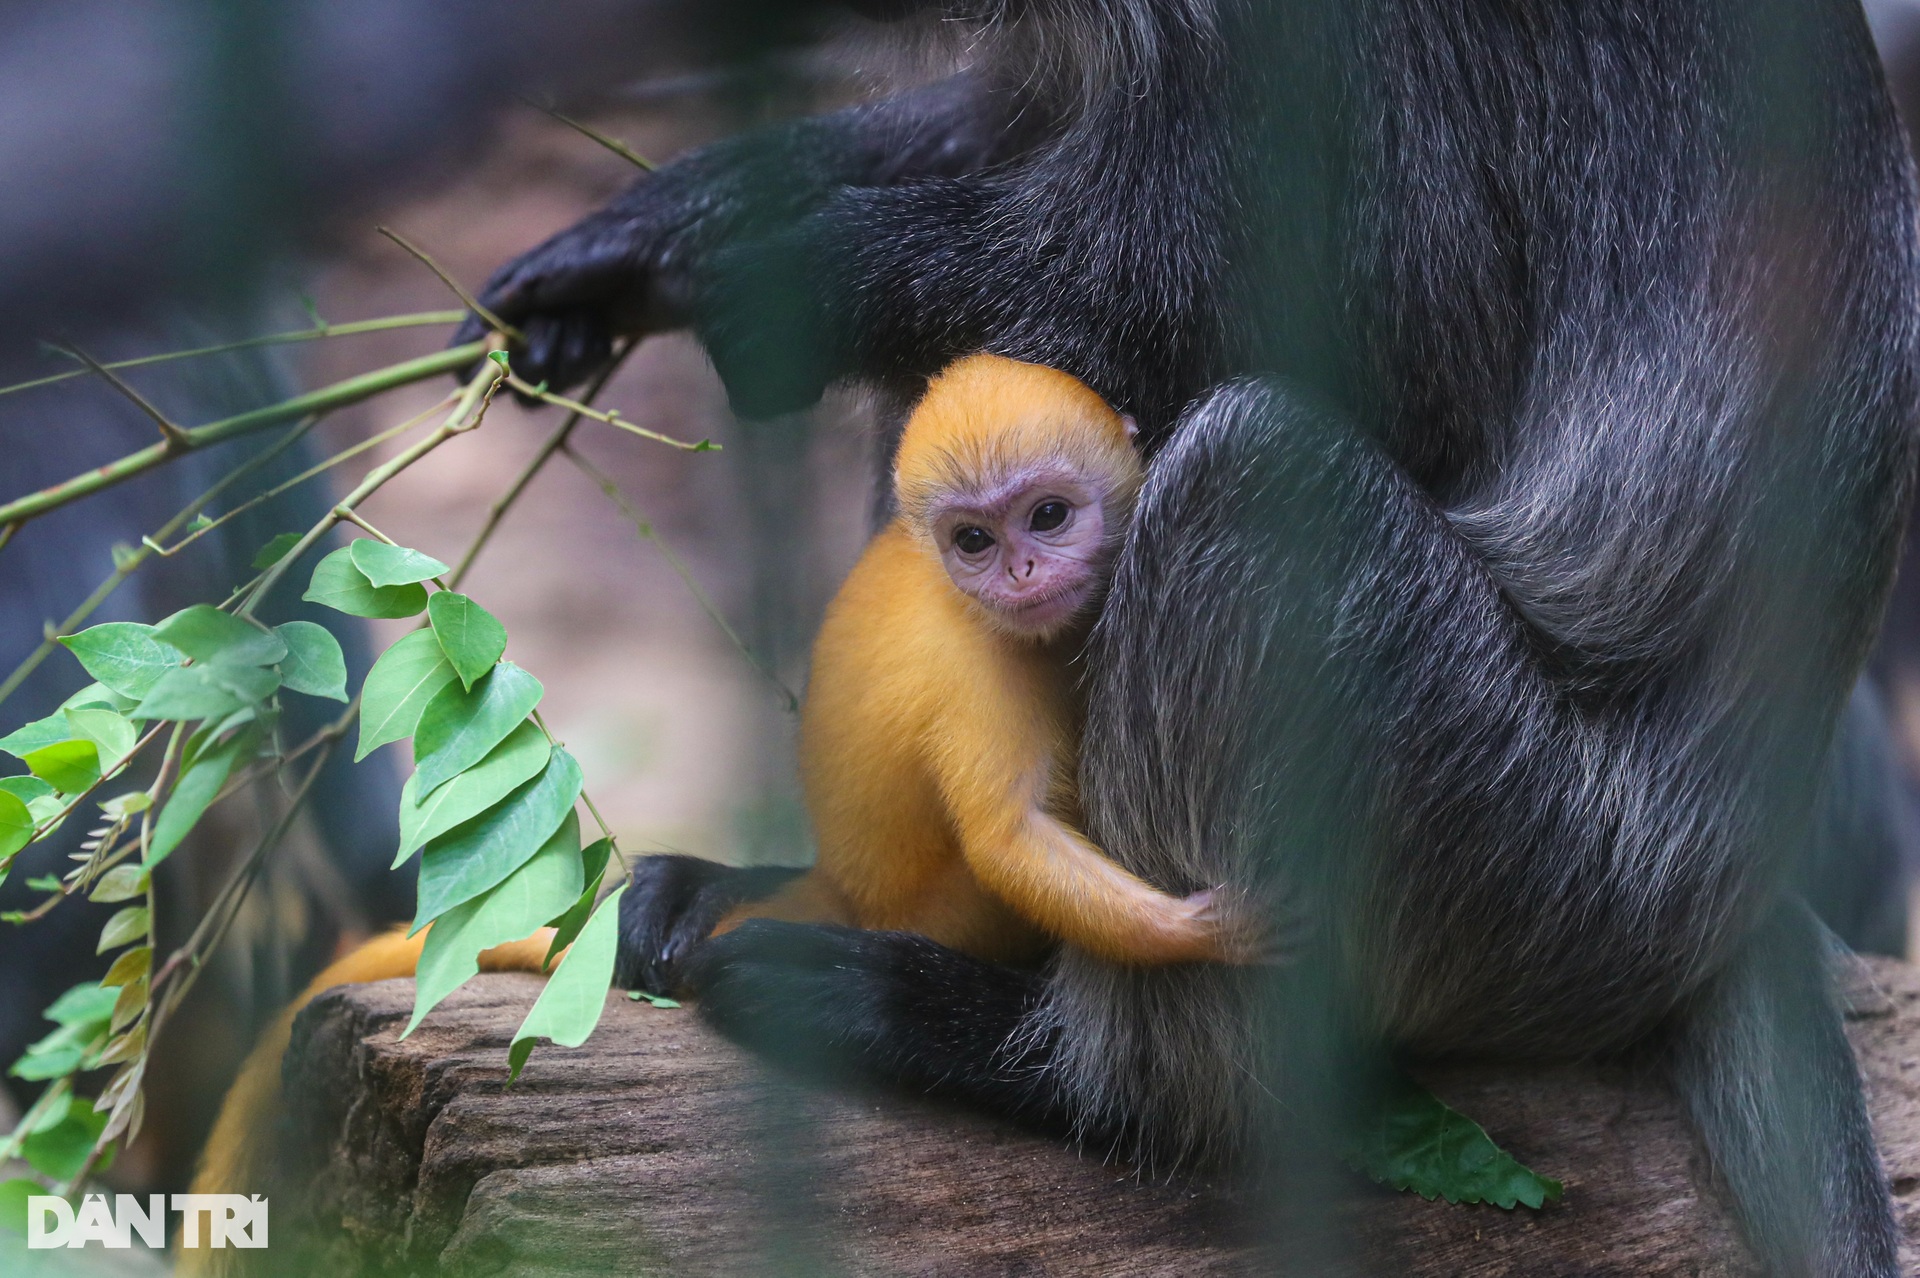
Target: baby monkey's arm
[{"x": 1050, "y": 873}]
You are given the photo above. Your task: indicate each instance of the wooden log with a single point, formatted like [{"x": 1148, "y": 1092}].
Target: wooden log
[{"x": 660, "y": 1148}]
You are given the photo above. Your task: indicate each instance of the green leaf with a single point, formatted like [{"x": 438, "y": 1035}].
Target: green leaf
[
  {"x": 125, "y": 927},
  {"x": 122, "y": 655},
  {"x": 658, "y": 1000},
  {"x": 398, "y": 688},
  {"x": 523, "y": 903},
  {"x": 82, "y": 1004},
  {"x": 593, "y": 867},
  {"x": 470, "y": 635},
  {"x": 344, "y": 588},
  {"x": 459, "y": 726},
  {"x": 67, "y": 766},
  {"x": 37, "y": 1067},
  {"x": 128, "y": 803},
  {"x": 192, "y": 793},
  {"x": 59, "y": 1152},
  {"x": 129, "y": 967},
  {"x": 24, "y": 740},
  {"x": 569, "y": 1007},
  {"x": 515, "y": 760},
  {"x": 16, "y": 824},
  {"x": 97, "y": 696},
  {"x": 314, "y": 664},
  {"x": 385, "y": 565},
  {"x": 13, "y": 1202},
  {"x": 112, "y": 735},
  {"x": 45, "y": 810},
  {"x": 252, "y": 684},
  {"x": 205, "y": 633},
  {"x": 276, "y": 550},
  {"x": 470, "y": 858},
  {"x": 192, "y": 693},
  {"x": 121, "y": 883},
  {"x": 26, "y": 789},
  {"x": 1419, "y": 1143}
]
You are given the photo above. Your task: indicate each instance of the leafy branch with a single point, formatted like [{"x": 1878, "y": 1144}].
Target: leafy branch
[
  {"x": 352, "y": 390},
  {"x": 490, "y": 806},
  {"x": 321, "y": 329}
]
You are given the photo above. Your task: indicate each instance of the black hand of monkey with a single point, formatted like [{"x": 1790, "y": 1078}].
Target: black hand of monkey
[
  {"x": 611, "y": 274},
  {"x": 672, "y": 903}
]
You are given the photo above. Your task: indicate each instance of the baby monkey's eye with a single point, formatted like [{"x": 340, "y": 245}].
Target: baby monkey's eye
[
  {"x": 1048, "y": 515},
  {"x": 971, "y": 540}
]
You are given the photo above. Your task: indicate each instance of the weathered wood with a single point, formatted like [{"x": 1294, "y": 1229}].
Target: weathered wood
[{"x": 659, "y": 1148}]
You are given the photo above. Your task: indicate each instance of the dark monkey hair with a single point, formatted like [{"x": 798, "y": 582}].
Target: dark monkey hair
[{"x": 1531, "y": 388}]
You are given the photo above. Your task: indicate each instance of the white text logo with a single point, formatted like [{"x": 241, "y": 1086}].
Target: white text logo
[{"x": 233, "y": 1220}]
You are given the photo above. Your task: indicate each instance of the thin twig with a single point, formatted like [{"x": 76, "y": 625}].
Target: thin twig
[
  {"x": 552, "y": 445},
  {"x": 131, "y": 562},
  {"x": 338, "y": 395},
  {"x": 344, "y": 455},
  {"x": 350, "y": 517},
  {"x": 611, "y": 416},
  {"x": 42, "y": 829},
  {"x": 190, "y": 958},
  {"x": 175, "y": 438},
  {"x": 614, "y": 145},
  {"x": 468, "y": 413},
  {"x": 494, "y": 322},
  {"x": 351, "y": 329},
  {"x": 644, "y": 527}
]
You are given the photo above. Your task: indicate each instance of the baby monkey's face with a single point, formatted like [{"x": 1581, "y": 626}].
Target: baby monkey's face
[{"x": 1032, "y": 550}]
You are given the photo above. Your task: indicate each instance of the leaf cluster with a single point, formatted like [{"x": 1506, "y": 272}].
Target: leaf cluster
[{"x": 491, "y": 805}]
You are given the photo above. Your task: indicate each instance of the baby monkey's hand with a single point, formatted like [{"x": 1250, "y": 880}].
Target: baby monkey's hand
[{"x": 1240, "y": 934}]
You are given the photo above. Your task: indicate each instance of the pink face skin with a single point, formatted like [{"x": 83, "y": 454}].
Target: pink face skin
[{"x": 1032, "y": 550}]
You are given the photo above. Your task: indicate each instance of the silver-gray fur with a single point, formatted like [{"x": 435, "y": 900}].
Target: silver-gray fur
[{"x": 1531, "y": 390}]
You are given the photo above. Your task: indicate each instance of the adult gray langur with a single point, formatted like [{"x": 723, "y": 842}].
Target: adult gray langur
[{"x": 1530, "y": 391}]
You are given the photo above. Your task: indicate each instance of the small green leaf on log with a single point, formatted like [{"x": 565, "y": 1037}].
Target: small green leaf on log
[{"x": 1420, "y": 1144}]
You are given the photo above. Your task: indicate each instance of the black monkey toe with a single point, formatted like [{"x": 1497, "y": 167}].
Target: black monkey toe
[{"x": 671, "y": 904}]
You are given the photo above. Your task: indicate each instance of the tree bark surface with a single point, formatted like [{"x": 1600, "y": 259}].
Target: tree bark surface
[{"x": 659, "y": 1148}]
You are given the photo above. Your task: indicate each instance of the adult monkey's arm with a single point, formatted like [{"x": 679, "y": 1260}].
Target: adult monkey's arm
[{"x": 643, "y": 263}]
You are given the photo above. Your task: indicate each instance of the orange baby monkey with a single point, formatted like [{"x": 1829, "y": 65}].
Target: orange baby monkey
[{"x": 940, "y": 738}]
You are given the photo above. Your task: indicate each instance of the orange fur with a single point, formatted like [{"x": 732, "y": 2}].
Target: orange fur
[{"x": 938, "y": 751}]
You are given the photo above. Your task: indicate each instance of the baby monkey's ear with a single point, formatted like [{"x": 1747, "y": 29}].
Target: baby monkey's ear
[{"x": 1133, "y": 427}]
